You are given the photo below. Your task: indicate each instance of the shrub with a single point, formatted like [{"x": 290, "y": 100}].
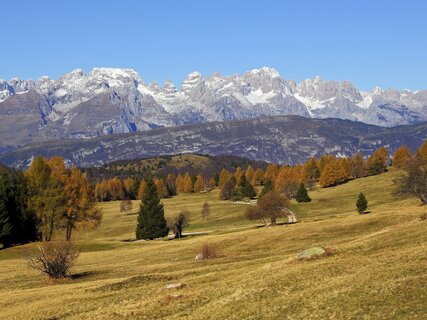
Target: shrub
[
  {"x": 209, "y": 252},
  {"x": 423, "y": 216},
  {"x": 54, "y": 259},
  {"x": 125, "y": 205}
]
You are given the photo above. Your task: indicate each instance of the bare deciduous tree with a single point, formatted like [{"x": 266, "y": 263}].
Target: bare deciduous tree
[
  {"x": 270, "y": 207},
  {"x": 54, "y": 259},
  {"x": 178, "y": 223}
]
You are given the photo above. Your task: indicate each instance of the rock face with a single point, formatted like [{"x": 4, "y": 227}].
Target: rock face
[
  {"x": 282, "y": 139},
  {"x": 107, "y": 101}
]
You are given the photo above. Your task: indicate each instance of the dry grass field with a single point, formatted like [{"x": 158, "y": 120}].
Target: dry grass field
[{"x": 378, "y": 269}]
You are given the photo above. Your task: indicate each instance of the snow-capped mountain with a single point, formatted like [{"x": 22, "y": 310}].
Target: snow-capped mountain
[{"x": 109, "y": 100}]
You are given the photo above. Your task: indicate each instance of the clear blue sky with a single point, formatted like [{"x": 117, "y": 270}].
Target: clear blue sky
[{"x": 368, "y": 42}]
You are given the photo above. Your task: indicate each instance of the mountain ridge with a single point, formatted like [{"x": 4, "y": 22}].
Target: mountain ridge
[
  {"x": 280, "y": 139},
  {"x": 112, "y": 100}
]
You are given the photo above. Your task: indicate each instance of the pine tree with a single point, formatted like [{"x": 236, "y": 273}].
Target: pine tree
[
  {"x": 135, "y": 187},
  {"x": 151, "y": 218},
  {"x": 268, "y": 186},
  {"x": 17, "y": 222},
  {"x": 302, "y": 195},
  {"x": 361, "y": 203},
  {"x": 401, "y": 157},
  {"x": 246, "y": 190}
]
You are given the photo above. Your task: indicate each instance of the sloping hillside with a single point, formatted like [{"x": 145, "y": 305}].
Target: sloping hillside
[{"x": 377, "y": 271}]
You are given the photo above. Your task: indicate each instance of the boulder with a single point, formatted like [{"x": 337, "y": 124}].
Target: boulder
[
  {"x": 175, "y": 286},
  {"x": 311, "y": 252},
  {"x": 199, "y": 257}
]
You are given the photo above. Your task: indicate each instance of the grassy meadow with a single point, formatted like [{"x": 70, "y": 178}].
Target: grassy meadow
[{"x": 378, "y": 270}]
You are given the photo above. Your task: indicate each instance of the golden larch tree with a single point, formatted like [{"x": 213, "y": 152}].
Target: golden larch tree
[
  {"x": 81, "y": 210},
  {"x": 141, "y": 189},
  {"x": 199, "y": 184},
  {"x": 188, "y": 183},
  {"x": 401, "y": 157}
]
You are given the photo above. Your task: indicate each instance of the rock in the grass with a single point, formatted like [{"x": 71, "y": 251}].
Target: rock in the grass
[
  {"x": 174, "y": 286},
  {"x": 311, "y": 252},
  {"x": 199, "y": 257}
]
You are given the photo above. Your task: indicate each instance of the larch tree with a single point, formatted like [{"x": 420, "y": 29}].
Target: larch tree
[
  {"x": 310, "y": 171},
  {"x": 161, "y": 188},
  {"x": 116, "y": 188},
  {"x": 358, "y": 166},
  {"x": 377, "y": 162},
  {"x": 223, "y": 177},
  {"x": 199, "y": 184},
  {"x": 179, "y": 184},
  {"x": 212, "y": 183},
  {"x": 258, "y": 178},
  {"x": 271, "y": 172},
  {"x": 170, "y": 184},
  {"x": 238, "y": 175},
  {"x": 141, "y": 189},
  {"x": 81, "y": 210},
  {"x": 128, "y": 186},
  {"x": 187, "y": 183},
  {"x": 151, "y": 218},
  {"x": 249, "y": 173},
  {"x": 328, "y": 175},
  {"x": 46, "y": 197},
  {"x": 401, "y": 157},
  {"x": 422, "y": 152}
]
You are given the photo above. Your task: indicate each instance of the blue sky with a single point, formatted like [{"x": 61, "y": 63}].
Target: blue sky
[{"x": 368, "y": 42}]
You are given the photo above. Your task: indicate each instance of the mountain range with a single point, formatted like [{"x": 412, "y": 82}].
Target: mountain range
[
  {"x": 107, "y": 101},
  {"x": 280, "y": 139}
]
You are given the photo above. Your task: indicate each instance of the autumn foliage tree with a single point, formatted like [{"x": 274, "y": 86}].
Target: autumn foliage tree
[
  {"x": 199, "y": 184},
  {"x": 401, "y": 157},
  {"x": 377, "y": 162},
  {"x": 187, "y": 184},
  {"x": 269, "y": 208},
  {"x": 80, "y": 209}
]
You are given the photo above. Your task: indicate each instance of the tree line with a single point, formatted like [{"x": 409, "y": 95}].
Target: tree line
[{"x": 45, "y": 199}]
